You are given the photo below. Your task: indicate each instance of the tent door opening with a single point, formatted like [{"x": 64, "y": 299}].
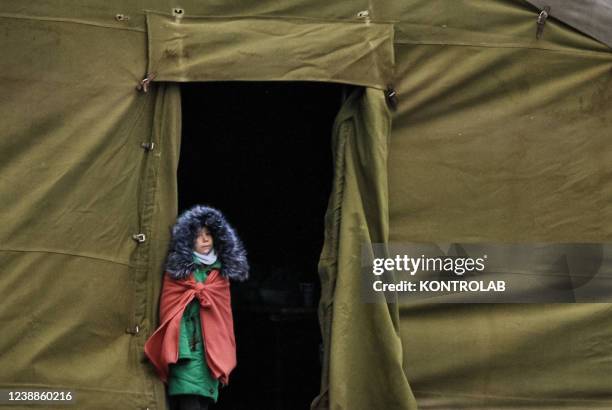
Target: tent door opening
[{"x": 261, "y": 153}]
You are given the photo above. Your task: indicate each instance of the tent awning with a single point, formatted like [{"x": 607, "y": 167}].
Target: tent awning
[{"x": 261, "y": 49}]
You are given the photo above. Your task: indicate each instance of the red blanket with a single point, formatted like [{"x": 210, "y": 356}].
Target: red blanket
[{"x": 216, "y": 319}]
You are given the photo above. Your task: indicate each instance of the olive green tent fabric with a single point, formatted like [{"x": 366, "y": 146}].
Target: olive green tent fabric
[
  {"x": 78, "y": 292},
  {"x": 363, "y": 356},
  {"x": 500, "y": 137},
  {"x": 89, "y": 194},
  {"x": 250, "y": 49}
]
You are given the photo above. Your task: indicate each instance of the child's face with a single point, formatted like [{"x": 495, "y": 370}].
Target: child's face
[{"x": 204, "y": 241}]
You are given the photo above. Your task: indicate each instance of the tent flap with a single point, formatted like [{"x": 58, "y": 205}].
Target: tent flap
[
  {"x": 366, "y": 373},
  {"x": 261, "y": 49}
]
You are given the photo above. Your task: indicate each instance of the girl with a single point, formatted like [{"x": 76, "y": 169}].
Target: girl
[{"x": 194, "y": 350}]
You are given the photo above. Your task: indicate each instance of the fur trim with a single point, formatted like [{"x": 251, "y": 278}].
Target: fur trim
[{"x": 227, "y": 245}]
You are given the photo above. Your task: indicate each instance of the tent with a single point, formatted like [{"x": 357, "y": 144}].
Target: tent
[{"x": 500, "y": 135}]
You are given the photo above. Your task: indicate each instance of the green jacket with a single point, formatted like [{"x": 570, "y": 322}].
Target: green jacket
[{"x": 190, "y": 375}]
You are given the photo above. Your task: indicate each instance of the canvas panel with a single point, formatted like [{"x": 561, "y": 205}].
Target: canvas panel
[
  {"x": 251, "y": 49},
  {"x": 60, "y": 331},
  {"x": 493, "y": 17},
  {"x": 76, "y": 186},
  {"x": 67, "y": 96},
  {"x": 105, "y": 11},
  {"x": 503, "y": 140},
  {"x": 493, "y": 150},
  {"x": 508, "y": 356},
  {"x": 495, "y": 22}
]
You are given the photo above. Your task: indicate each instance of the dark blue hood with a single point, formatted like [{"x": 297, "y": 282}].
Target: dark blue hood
[{"x": 228, "y": 247}]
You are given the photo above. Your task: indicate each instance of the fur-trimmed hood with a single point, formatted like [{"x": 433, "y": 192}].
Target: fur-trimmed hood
[{"x": 228, "y": 247}]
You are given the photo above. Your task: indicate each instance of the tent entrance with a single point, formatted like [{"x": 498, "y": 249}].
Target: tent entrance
[{"x": 261, "y": 153}]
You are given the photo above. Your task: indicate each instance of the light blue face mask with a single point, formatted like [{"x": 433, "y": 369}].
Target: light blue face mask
[{"x": 206, "y": 259}]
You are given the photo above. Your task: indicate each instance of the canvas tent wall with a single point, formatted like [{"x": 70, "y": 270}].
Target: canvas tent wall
[{"x": 498, "y": 136}]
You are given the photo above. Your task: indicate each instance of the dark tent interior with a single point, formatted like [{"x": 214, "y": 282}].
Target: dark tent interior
[{"x": 261, "y": 153}]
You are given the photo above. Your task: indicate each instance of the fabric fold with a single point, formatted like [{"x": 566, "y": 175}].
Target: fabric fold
[{"x": 216, "y": 321}]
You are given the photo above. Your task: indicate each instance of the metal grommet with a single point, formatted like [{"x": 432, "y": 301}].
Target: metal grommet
[
  {"x": 149, "y": 146},
  {"x": 122, "y": 17},
  {"x": 391, "y": 97},
  {"x": 139, "y": 237},
  {"x": 143, "y": 85},
  {"x": 541, "y": 21},
  {"x": 178, "y": 12},
  {"x": 363, "y": 14}
]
